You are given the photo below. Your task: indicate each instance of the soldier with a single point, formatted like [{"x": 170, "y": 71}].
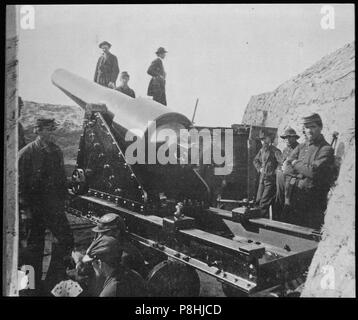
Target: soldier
[
  {"x": 107, "y": 69},
  {"x": 21, "y": 134},
  {"x": 309, "y": 168},
  {"x": 156, "y": 87},
  {"x": 267, "y": 160},
  {"x": 114, "y": 279},
  {"x": 42, "y": 195},
  {"x": 124, "y": 88},
  {"x": 291, "y": 143},
  {"x": 111, "y": 224}
]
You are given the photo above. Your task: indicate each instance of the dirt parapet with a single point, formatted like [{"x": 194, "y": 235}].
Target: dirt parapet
[{"x": 328, "y": 88}]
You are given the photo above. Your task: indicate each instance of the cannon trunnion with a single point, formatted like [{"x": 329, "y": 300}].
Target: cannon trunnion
[{"x": 247, "y": 256}]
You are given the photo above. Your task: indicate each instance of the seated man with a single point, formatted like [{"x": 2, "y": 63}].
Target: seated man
[
  {"x": 118, "y": 281},
  {"x": 111, "y": 224}
]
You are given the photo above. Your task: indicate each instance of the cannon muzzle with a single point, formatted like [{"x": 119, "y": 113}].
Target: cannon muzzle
[{"x": 130, "y": 114}]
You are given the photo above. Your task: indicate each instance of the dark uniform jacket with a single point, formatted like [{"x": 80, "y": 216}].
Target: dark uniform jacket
[
  {"x": 157, "y": 83},
  {"x": 269, "y": 159},
  {"x": 314, "y": 165},
  {"x": 41, "y": 171},
  {"x": 287, "y": 151},
  {"x": 107, "y": 70},
  {"x": 126, "y": 90}
]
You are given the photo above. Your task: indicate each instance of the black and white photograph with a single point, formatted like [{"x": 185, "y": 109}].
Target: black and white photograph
[{"x": 179, "y": 150}]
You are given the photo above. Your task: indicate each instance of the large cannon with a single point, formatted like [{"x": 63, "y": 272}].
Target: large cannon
[{"x": 168, "y": 208}]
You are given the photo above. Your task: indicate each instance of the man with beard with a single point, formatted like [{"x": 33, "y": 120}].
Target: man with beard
[
  {"x": 107, "y": 69},
  {"x": 309, "y": 168}
]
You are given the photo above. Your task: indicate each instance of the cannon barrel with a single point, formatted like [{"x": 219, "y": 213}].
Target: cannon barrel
[{"x": 130, "y": 114}]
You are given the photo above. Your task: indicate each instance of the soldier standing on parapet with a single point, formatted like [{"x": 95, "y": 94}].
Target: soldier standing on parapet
[
  {"x": 107, "y": 69},
  {"x": 123, "y": 87},
  {"x": 268, "y": 159},
  {"x": 156, "y": 87},
  {"x": 309, "y": 168},
  {"x": 42, "y": 195},
  {"x": 291, "y": 143}
]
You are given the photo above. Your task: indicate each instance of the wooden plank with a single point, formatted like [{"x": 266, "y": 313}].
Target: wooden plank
[{"x": 10, "y": 205}]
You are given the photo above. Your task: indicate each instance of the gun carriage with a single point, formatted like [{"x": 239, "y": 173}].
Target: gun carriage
[{"x": 175, "y": 213}]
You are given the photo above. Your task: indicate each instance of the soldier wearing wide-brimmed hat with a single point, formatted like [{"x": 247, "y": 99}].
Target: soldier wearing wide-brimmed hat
[
  {"x": 266, "y": 162},
  {"x": 42, "y": 195},
  {"x": 105, "y": 256},
  {"x": 107, "y": 69},
  {"x": 291, "y": 137},
  {"x": 310, "y": 171},
  {"x": 111, "y": 224},
  {"x": 156, "y": 87}
]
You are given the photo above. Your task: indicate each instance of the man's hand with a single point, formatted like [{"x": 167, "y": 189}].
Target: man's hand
[
  {"x": 111, "y": 85},
  {"x": 262, "y": 170},
  {"x": 77, "y": 256}
]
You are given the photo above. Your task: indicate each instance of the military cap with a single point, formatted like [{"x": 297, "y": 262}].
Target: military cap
[
  {"x": 124, "y": 74},
  {"x": 313, "y": 117},
  {"x": 46, "y": 122},
  {"x": 161, "y": 50},
  {"x": 289, "y": 132},
  {"x": 104, "y": 43},
  {"x": 109, "y": 221},
  {"x": 105, "y": 248}
]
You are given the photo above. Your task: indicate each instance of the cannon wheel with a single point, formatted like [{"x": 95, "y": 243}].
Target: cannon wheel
[
  {"x": 231, "y": 291},
  {"x": 172, "y": 279}
]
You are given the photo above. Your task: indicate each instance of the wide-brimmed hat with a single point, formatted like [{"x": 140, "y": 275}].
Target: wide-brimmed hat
[
  {"x": 105, "y": 248},
  {"x": 109, "y": 221},
  {"x": 289, "y": 132},
  {"x": 161, "y": 50},
  {"x": 313, "y": 117},
  {"x": 104, "y": 43},
  {"x": 48, "y": 123}
]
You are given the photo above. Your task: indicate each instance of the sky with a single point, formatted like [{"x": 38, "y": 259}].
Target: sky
[{"x": 221, "y": 54}]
